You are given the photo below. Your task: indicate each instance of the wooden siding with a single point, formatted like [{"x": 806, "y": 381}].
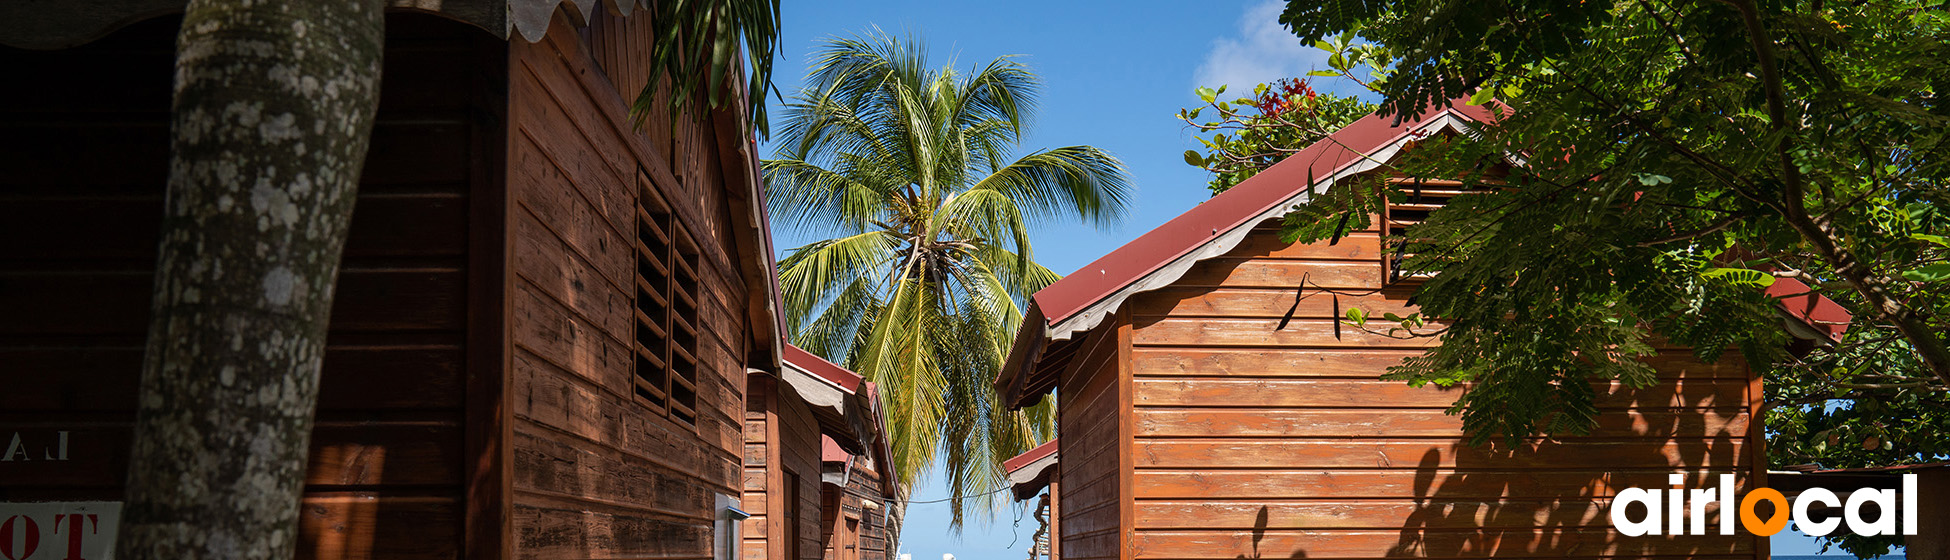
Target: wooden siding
[
  {"x": 781, "y": 449},
  {"x": 1251, "y": 441},
  {"x": 86, "y": 157},
  {"x": 1093, "y": 447},
  {"x": 597, "y": 472},
  {"x": 869, "y": 534}
]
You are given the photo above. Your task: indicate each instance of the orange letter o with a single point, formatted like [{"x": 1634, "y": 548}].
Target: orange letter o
[{"x": 1752, "y": 521}]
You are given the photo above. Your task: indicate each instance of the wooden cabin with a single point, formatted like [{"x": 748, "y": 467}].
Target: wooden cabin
[
  {"x": 789, "y": 418},
  {"x": 546, "y": 316},
  {"x": 1194, "y": 427},
  {"x": 860, "y": 494}
]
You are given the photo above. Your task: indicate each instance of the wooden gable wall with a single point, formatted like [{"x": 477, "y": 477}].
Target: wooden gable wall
[
  {"x": 84, "y": 144},
  {"x": 1251, "y": 441},
  {"x": 597, "y": 470},
  {"x": 781, "y": 482},
  {"x": 1094, "y": 420}
]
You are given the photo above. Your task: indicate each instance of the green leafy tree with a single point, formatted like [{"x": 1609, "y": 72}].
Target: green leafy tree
[
  {"x": 1250, "y": 134},
  {"x": 906, "y": 169},
  {"x": 1679, "y": 155}
]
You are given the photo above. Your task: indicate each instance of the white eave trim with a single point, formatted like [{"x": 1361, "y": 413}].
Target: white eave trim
[
  {"x": 1225, "y": 241},
  {"x": 815, "y": 390},
  {"x": 1028, "y": 473}
]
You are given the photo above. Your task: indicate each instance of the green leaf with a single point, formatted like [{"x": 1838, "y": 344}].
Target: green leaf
[
  {"x": 1482, "y": 96},
  {"x": 1933, "y": 273},
  {"x": 1740, "y": 276},
  {"x": 1206, "y": 94},
  {"x": 1937, "y": 239},
  {"x": 1325, "y": 73},
  {"x": 1357, "y": 317},
  {"x": 1193, "y": 158}
]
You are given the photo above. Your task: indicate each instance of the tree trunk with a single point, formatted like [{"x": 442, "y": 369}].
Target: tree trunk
[{"x": 273, "y": 109}]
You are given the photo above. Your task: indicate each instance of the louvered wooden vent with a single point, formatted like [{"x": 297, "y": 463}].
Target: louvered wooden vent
[
  {"x": 1424, "y": 196},
  {"x": 666, "y": 310}
]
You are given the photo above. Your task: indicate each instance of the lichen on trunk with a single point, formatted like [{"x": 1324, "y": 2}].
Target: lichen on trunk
[{"x": 272, "y": 112}]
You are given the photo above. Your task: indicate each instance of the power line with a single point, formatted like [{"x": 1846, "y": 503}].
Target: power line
[{"x": 950, "y": 498}]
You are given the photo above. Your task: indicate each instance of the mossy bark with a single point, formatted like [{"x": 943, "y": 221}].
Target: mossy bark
[{"x": 273, "y": 109}]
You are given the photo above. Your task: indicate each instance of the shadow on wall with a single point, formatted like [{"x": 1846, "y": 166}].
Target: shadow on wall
[
  {"x": 1259, "y": 534},
  {"x": 1552, "y": 497}
]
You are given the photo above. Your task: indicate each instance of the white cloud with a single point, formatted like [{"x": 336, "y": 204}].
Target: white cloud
[{"x": 1260, "y": 51}]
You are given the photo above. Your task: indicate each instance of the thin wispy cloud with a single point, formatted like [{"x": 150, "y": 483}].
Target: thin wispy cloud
[{"x": 1258, "y": 51}]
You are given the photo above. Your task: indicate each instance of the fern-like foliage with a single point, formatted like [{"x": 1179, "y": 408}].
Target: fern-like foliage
[{"x": 1679, "y": 157}]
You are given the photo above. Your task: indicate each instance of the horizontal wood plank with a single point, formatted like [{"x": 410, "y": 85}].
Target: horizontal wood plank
[
  {"x": 1432, "y": 423},
  {"x": 1505, "y": 543},
  {"x": 1248, "y": 515},
  {"x": 1262, "y": 303},
  {"x": 1355, "y": 393},
  {"x": 1265, "y": 333},
  {"x": 1407, "y": 481},
  {"x": 1724, "y": 452},
  {"x": 1233, "y": 272}
]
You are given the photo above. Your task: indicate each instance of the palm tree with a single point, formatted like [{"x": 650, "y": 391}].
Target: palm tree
[{"x": 926, "y": 266}]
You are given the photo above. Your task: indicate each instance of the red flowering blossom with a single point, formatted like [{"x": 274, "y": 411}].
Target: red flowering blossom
[{"x": 1279, "y": 96}]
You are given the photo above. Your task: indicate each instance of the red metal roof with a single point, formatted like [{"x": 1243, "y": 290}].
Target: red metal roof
[
  {"x": 1029, "y": 456},
  {"x": 1230, "y": 209},
  {"x": 829, "y": 371},
  {"x": 1819, "y": 312}
]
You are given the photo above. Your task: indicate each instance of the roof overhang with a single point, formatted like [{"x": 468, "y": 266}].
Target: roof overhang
[
  {"x": 1808, "y": 315},
  {"x": 831, "y": 391},
  {"x": 1032, "y": 471},
  {"x": 836, "y": 464}
]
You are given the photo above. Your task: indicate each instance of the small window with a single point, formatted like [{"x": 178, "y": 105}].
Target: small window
[
  {"x": 666, "y": 309},
  {"x": 1422, "y": 196}
]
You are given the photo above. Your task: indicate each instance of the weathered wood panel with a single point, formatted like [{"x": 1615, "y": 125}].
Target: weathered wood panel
[
  {"x": 600, "y": 470},
  {"x": 389, "y": 472}
]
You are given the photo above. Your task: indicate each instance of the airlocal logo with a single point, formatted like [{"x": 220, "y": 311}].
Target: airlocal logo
[{"x": 1679, "y": 509}]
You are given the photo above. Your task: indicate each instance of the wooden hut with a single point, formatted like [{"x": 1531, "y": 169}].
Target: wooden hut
[
  {"x": 1195, "y": 427},
  {"x": 545, "y": 318},
  {"x": 860, "y": 494},
  {"x": 788, "y": 418}
]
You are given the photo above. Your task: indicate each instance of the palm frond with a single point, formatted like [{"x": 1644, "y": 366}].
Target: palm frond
[
  {"x": 696, "y": 46},
  {"x": 1079, "y": 181},
  {"x": 880, "y": 144}
]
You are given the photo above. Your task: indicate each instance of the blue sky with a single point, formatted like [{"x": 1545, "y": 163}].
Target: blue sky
[{"x": 1114, "y": 76}]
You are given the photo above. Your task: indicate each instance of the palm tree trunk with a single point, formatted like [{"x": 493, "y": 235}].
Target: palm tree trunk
[{"x": 273, "y": 110}]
